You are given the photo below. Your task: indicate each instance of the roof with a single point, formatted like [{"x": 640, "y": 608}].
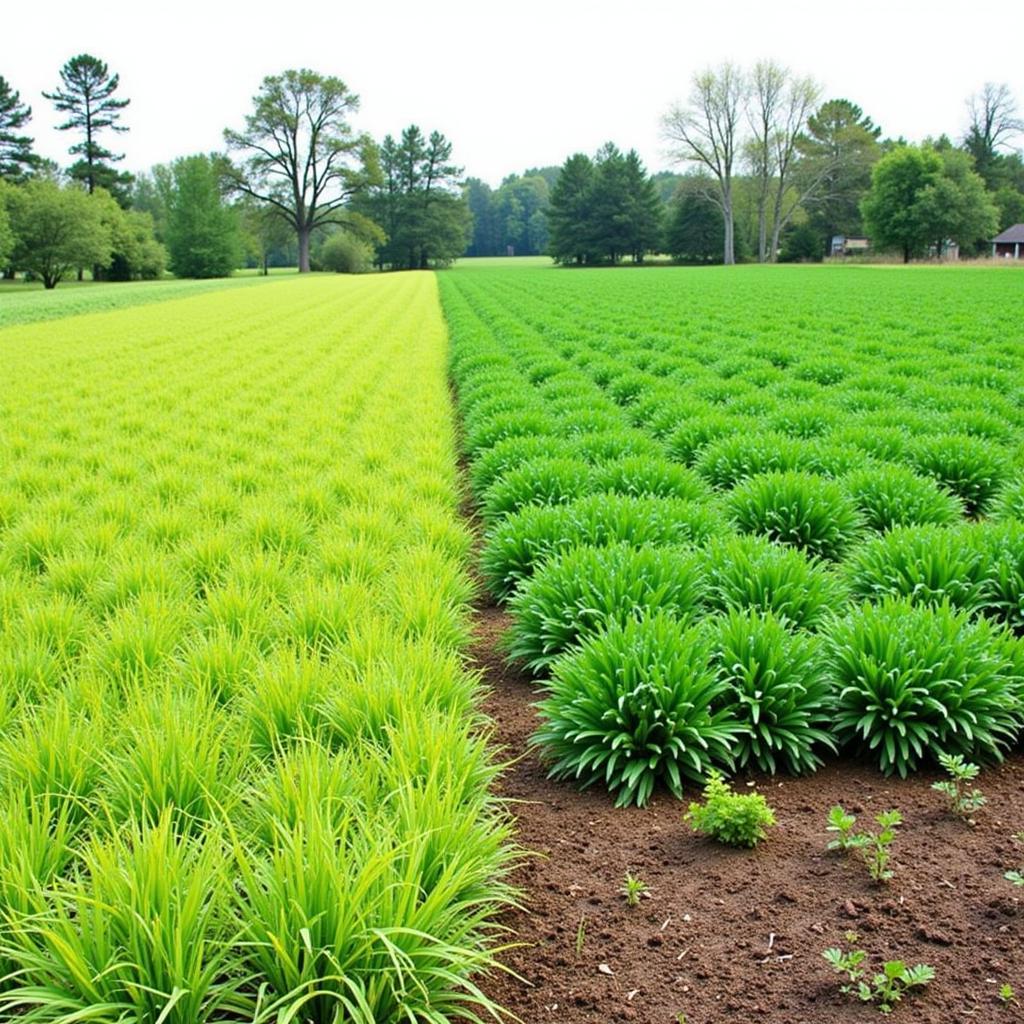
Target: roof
[{"x": 1014, "y": 234}]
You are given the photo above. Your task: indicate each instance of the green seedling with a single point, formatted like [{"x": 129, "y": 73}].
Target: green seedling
[
  {"x": 883, "y": 989},
  {"x": 962, "y": 800},
  {"x": 873, "y": 846},
  {"x": 581, "y": 935},
  {"x": 736, "y": 819},
  {"x": 1014, "y": 876},
  {"x": 633, "y": 888},
  {"x": 1006, "y": 994}
]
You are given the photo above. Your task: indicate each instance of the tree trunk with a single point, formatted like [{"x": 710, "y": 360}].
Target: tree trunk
[
  {"x": 266, "y": 266},
  {"x": 906, "y": 254},
  {"x": 304, "y": 233},
  {"x": 729, "y": 254}
]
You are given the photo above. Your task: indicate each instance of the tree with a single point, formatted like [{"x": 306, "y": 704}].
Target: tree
[
  {"x": 643, "y": 209},
  {"x": 994, "y": 121},
  {"x": 301, "y": 154},
  {"x": 202, "y": 230},
  {"x": 706, "y": 132},
  {"x": 86, "y": 95},
  {"x": 57, "y": 230},
  {"x": 486, "y": 237},
  {"x": 135, "y": 252},
  {"x": 779, "y": 107},
  {"x": 16, "y": 156},
  {"x": 695, "y": 231},
  {"x": 265, "y": 236},
  {"x": 569, "y": 210},
  {"x": 7, "y": 239},
  {"x": 418, "y": 203},
  {"x": 838, "y": 150},
  {"x": 522, "y": 203},
  {"x": 919, "y": 199}
]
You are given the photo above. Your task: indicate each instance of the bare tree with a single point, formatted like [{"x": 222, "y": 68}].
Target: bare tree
[
  {"x": 767, "y": 91},
  {"x": 303, "y": 158},
  {"x": 994, "y": 119},
  {"x": 706, "y": 131}
]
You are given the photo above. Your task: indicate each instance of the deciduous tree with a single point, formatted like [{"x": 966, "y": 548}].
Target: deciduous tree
[
  {"x": 86, "y": 95},
  {"x": 301, "y": 155},
  {"x": 706, "y": 131},
  {"x": 994, "y": 122},
  {"x": 57, "y": 230},
  {"x": 202, "y": 230}
]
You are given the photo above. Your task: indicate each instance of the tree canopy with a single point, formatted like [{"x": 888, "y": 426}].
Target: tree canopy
[
  {"x": 16, "y": 156},
  {"x": 202, "y": 231},
  {"x": 86, "y": 95},
  {"x": 300, "y": 154}
]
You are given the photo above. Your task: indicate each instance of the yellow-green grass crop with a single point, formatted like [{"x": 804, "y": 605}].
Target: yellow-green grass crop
[
  {"x": 857, "y": 434},
  {"x": 242, "y": 770}
]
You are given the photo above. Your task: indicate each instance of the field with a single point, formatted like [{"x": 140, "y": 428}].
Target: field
[
  {"x": 321, "y": 601},
  {"x": 240, "y": 773},
  {"x": 764, "y": 521}
]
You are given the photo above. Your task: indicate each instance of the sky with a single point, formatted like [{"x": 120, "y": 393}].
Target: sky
[{"x": 513, "y": 85}]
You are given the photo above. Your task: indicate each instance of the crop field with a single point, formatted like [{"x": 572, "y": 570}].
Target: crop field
[
  {"x": 241, "y": 774},
  {"x": 769, "y": 523}
]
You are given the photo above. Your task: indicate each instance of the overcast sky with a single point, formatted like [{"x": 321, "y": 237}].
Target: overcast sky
[{"x": 513, "y": 85}]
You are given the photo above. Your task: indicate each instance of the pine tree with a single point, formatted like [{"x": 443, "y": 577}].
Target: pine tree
[
  {"x": 16, "y": 156},
  {"x": 87, "y": 96},
  {"x": 569, "y": 210}
]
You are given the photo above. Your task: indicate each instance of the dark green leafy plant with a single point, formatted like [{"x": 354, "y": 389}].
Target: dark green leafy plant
[
  {"x": 927, "y": 564},
  {"x": 576, "y": 593},
  {"x": 969, "y": 467},
  {"x": 512, "y": 452},
  {"x": 1010, "y": 502},
  {"x": 516, "y": 546},
  {"x": 889, "y": 496},
  {"x": 543, "y": 481},
  {"x": 778, "y": 688},
  {"x": 634, "y": 706},
  {"x": 736, "y": 819},
  {"x": 799, "y": 509},
  {"x": 916, "y": 681},
  {"x": 723, "y": 463},
  {"x": 1001, "y": 548},
  {"x": 752, "y": 572},
  {"x": 641, "y": 475}
]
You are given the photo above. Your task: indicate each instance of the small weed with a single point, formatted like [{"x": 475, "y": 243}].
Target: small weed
[
  {"x": 633, "y": 888},
  {"x": 1014, "y": 876},
  {"x": 732, "y": 818},
  {"x": 581, "y": 935},
  {"x": 885, "y": 988},
  {"x": 1006, "y": 994},
  {"x": 873, "y": 846},
  {"x": 962, "y": 801}
]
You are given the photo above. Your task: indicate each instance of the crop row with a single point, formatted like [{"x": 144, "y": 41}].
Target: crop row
[
  {"x": 239, "y": 774},
  {"x": 729, "y": 537}
]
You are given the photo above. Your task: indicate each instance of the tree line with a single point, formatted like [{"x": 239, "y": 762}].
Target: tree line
[{"x": 768, "y": 170}]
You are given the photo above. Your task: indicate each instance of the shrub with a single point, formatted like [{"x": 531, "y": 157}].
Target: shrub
[
  {"x": 345, "y": 254},
  {"x": 632, "y": 707},
  {"x": 752, "y": 572},
  {"x": 577, "y": 593},
  {"x": 542, "y": 481},
  {"x": 927, "y": 564},
  {"x": 969, "y": 467},
  {"x": 514, "y": 547},
  {"x": 916, "y": 681},
  {"x": 778, "y": 688},
  {"x": 798, "y": 509},
  {"x": 736, "y": 819},
  {"x": 889, "y": 496},
  {"x": 1001, "y": 548}
]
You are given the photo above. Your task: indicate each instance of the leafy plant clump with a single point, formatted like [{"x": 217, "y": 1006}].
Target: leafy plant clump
[
  {"x": 633, "y": 888},
  {"x": 542, "y": 481},
  {"x": 969, "y": 467},
  {"x": 799, "y": 509},
  {"x": 735, "y": 819},
  {"x": 634, "y": 706},
  {"x": 750, "y": 572},
  {"x": 886, "y": 987},
  {"x": 889, "y": 496},
  {"x": 577, "y": 593},
  {"x": 916, "y": 681},
  {"x": 962, "y": 800},
  {"x": 874, "y": 847},
  {"x": 778, "y": 688}
]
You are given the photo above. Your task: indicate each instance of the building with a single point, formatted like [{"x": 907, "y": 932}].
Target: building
[
  {"x": 843, "y": 245},
  {"x": 1010, "y": 244}
]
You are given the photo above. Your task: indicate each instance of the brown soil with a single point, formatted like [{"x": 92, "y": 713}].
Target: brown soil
[{"x": 729, "y": 935}]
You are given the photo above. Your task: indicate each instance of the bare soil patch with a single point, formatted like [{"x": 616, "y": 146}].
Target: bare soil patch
[{"x": 729, "y": 935}]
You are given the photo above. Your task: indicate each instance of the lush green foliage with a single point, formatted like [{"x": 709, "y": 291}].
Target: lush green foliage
[
  {"x": 889, "y": 496},
  {"x": 202, "y": 231},
  {"x": 916, "y": 681},
  {"x": 577, "y": 593},
  {"x": 886, "y": 987},
  {"x": 241, "y": 774},
  {"x": 736, "y": 819},
  {"x": 778, "y": 687},
  {"x": 632, "y": 707}
]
